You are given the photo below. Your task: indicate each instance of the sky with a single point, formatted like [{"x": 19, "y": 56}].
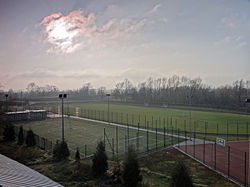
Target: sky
[{"x": 102, "y": 42}]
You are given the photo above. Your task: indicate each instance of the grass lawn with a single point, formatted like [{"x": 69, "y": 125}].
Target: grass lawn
[
  {"x": 79, "y": 133},
  {"x": 171, "y": 118}
]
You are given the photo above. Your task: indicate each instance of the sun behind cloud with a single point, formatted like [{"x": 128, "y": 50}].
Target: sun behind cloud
[{"x": 66, "y": 34}]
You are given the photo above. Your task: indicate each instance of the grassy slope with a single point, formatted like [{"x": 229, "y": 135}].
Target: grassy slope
[{"x": 156, "y": 170}]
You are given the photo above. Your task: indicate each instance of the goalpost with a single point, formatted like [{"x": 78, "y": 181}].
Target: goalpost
[{"x": 137, "y": 142}]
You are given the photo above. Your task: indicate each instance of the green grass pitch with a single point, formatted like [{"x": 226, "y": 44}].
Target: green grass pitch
[
  {"x": 79, "y": 133},
  {"x": 176, "y": 118}
]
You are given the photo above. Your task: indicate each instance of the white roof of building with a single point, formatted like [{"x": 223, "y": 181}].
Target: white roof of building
[
  {"x": 14, "y": 174},
  {"x": 25, "y": 111}
]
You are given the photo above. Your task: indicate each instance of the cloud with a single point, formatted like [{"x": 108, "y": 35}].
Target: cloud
[
  {"x": 228, "y": 22},
  {"x": 235, "y": 41},
  {"x": 154, "y": 9},
  {"x": 67, "y": 34}
]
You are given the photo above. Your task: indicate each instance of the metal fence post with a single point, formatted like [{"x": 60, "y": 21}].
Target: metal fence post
[
  {"x": 204, "y": 139},
  {"x": 245, "y": 170},
  {"x": 104, "y": 134},
  {"x": 127, "y": 118},
  {"x": 147, "y": 136},
  {"x": 247, "y": 129},
  {"x": 178, "y": 138},
  {"x": 227, "y": 130},
  {"x": 215, "y": 155},
  {"x": 228, "y": 162},
  {"x": 116, "y": 141},
  {"x": 172, "y": 140},
  {"x": 217, "y": 129},
  {"x": 138, "y": 127},
  {"x": 194, "y": 137},
  {"x": 137, "y": 142},
  {"x": 152, "y": 123},
  {"x": 164, "y": 134},
  {"x": 237, "y": 131},
  {"x": 175, "y": 125},
  {"x": 85, "y": 150},
  {"x": 127, "y": 129},
  {"x": 113, "y": 149},
  {"x": 185, "y": 139},
  {"x": 167, "y": 124},
  {"x": 155, "y": 134}
]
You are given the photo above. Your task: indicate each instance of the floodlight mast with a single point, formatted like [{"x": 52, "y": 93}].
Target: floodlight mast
[
  {"x": 108, "y": 95},
  {"x": 190, "y": 117},
  {"x": 6, "y": 102},
  {"x": 62, "y": 96},
  {"x": 247, "y": 101}
]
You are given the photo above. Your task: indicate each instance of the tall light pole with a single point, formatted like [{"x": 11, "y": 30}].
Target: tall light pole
[
  {"x": 6, "y": 102},
  {"x": 62, "y": 96},
  {"x": 22, "y": 99},
  {"x": 247, "y": 101},
  {"x": 108, "y": 94},
  {"x": 190, "y": 118}
]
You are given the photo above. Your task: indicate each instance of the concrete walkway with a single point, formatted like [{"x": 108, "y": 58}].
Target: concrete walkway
[{"x": 14, "y": 174}]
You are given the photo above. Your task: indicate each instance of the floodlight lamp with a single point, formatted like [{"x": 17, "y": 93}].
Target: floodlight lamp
[
  {"x": 60, "y": 96},
  {"x": 107, "y": 94},
  {"x": 6, "y": 95},
  {"x": 64, "y": 95}
]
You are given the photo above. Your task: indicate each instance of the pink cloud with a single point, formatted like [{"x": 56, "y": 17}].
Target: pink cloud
[{"x": 69, "y": 33}]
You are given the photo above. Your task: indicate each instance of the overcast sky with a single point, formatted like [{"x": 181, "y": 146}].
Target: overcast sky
[{"x": 69, "y": 43}]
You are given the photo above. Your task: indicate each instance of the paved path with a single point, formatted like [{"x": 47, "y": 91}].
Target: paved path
[{"x": 14, "y": 174}]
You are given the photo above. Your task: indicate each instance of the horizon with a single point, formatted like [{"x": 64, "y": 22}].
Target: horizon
[
  {"x": 69, "y": 44},
  {"x": 246, "y": 84}
]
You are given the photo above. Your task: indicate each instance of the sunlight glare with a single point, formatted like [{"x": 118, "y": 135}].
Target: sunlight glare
[{"x": 60, "y": 32}]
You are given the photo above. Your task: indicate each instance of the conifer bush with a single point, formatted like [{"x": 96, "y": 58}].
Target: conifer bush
[
  {"x": 30, "y": 139},
  {"x": 131, "y": 171},
  {"x": 100, "y": 164},
  {"x": 77, "y": 156},
  {"x": 20, "y": 136},
  {"x": 9, "y": 133},
  {"x": 61, "y": 151},
  {"x": 180, "y": 175}
]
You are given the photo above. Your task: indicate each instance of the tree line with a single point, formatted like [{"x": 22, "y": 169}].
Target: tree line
[{"x": 174, "y": 90}]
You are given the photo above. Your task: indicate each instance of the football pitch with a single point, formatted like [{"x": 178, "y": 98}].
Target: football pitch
[
  {"x": 84, "y": 134},
  {"x": 201, "y": 121}
]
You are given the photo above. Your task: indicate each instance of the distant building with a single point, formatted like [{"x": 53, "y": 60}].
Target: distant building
[
  {"x": 37, "y": 114},
  {"x": 16, "y": 116},
  {"x": 26, "y": 115}
]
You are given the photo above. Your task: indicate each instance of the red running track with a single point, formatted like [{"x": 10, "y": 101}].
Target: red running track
[{"x": 232, "y": 160}]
